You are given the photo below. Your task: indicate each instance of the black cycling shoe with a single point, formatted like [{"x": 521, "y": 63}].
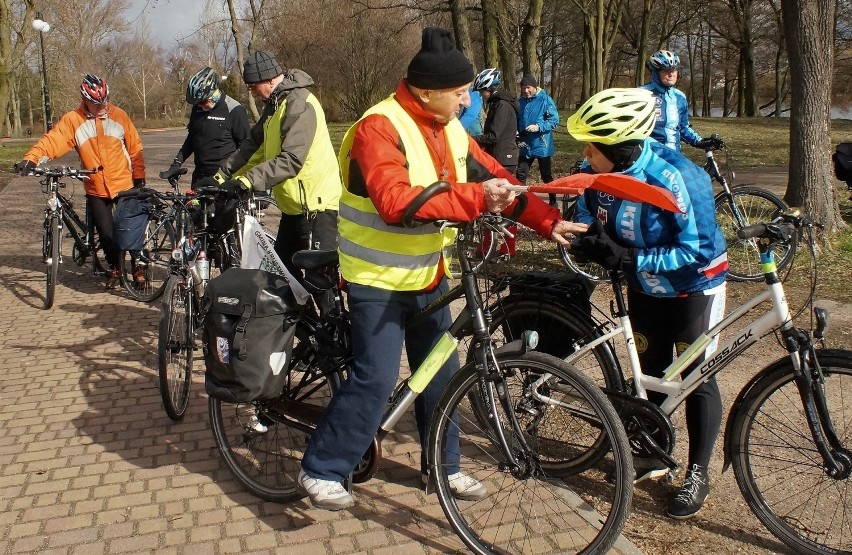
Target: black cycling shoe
[{"x": 695, "y": 490}]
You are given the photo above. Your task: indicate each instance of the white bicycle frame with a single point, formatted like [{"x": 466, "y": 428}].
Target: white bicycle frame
[{"x": 677, "y": 391}]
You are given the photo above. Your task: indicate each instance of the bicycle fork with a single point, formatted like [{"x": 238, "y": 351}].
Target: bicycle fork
[{"x": 837, "y": 460}]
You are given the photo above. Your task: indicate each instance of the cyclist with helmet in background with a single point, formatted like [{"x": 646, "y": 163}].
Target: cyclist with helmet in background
[
  {"x": 499, "y": 135},
  {"x": 217, "y": 126},
  {"x": 674, "y": 264},
  {"x": 672, "y": 108},
  {"x": 104, "y": 137}
]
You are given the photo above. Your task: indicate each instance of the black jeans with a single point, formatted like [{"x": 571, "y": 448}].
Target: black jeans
[
  {"x": 312, "y": 231},
  {"x": 544, "y": 167},
  {"x": 101, "y": 210}
]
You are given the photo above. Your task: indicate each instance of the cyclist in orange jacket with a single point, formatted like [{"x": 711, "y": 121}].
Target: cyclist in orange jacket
[{"x": 104, "y": 137}]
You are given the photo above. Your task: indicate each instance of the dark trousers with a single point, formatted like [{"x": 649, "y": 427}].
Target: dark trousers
[
  {"x": 101, "y": 212},
  {"x": 312, "y": 231},
  {"x": 672, "y": 323},
  {"x": 544, "y": 167},
  {"x": 355, "y": 412}
]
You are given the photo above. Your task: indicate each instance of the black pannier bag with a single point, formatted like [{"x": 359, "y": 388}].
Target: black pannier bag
[
  {"x": 248, "y": 320},
  {"x": 129, "y": 223},
  {"x": 843, "y": 162}
]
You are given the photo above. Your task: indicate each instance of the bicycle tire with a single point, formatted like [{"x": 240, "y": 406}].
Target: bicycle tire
[
  {"x": 533, "y": 509},
  {"x": 267, "y": 463},
  {"x": 176, "y": 347},
  {"x": 50, "y": 246},
  {"x": 154, "y": 260},
  {"x": 754, "y": 205},
  {"x": 777, "y": 466}
]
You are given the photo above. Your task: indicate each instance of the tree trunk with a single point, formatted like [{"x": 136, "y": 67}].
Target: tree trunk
[
  {"x": 529, "y": 40},
  {"x": 235, "y": 30},
  {"x": 809, "y": 31},
  {"x": 490, "y": 33},
  {"x": 642, "y": 47},
  {"x": 461, "y": 28},
  {"x": 12, "y": 52}
]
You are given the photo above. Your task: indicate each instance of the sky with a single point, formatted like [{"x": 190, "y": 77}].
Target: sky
[{"x": 168, "y": 20}]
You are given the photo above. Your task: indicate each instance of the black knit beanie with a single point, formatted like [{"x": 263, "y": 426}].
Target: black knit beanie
[
  {"x": 438, "y": 64},
  {"x": 621, "y": 154},
  {"x": 260, "y": 66},
  {"x": 528, "y": 80}
]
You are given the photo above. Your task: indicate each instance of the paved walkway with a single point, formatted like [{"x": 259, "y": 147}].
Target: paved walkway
[{"x": 90, "y": 463}]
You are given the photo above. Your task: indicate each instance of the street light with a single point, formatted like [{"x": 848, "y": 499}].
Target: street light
[{"x": 43, "y": 27}]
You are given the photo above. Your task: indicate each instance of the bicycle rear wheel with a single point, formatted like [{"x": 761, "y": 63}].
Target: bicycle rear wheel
[
  {"x": 541, "y": 506},
  {"x": 51, "y": 255},
  {"x": 176, "y": 346},
  {"x": 262, "y": 443},
  {"x": 144, "y": 273},
  {"x": 749, "y": 205},
  {"x": 778, "y": 468}
]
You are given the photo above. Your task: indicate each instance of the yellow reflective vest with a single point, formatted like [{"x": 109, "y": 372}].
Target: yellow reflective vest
[{"x": 393, "y": 257}]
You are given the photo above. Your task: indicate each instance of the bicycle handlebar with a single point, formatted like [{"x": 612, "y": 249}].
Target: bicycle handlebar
[
  {"x": 64, "y": 171},
  {"x": 427, "y": 193}
]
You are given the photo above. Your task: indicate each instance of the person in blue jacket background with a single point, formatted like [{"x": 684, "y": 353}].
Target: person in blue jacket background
[
  {"x": 537, "y": 118},
  {"x": 674, "y": 264},
  {"x": 471, "y": 116},
  {"x": 672, "y": 108}
]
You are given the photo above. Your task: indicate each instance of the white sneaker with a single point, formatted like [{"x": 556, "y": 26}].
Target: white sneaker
[
  {"x": 325, "y": 494},
  {"x": 255, "y": 425},
  {"x": 464, "y": 487}
]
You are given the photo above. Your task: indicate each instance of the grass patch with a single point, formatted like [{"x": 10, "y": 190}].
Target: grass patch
[{"x": 11, "y": 153}]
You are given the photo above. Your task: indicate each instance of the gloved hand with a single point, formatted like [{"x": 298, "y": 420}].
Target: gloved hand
[
  {"x": 599, "y": 247},
  {"x": 139, "y": 182},
  {"x": 24, "y": 167},
  {"x": 532, "y": 128},
  {"x": 713, "y": 142},
  {"x": 234, "y": 188},
  {"x": 172, "y": 171}
]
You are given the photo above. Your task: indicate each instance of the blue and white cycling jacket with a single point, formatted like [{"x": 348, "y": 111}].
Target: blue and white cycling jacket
[
  {"x": 672, "y": 123},
  {"x": 677, "y": 254}
]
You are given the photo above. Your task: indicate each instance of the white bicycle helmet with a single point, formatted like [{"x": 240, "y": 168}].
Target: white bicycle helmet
[
  {"x": 663, "y": 59},
  {"x": 613, "y": 116},
  {"x": 488, "y": 79}
]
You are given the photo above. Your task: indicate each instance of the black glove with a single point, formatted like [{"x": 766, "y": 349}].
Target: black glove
[
  {"x": 713, "y": 142},
  {"x": 24, "y": 167},
  {"x": 139, "y": 182},
  {"x": 234, "y": 188},
  {"x": 599, "y": 247},
  {"x": 171, "y": 172}
]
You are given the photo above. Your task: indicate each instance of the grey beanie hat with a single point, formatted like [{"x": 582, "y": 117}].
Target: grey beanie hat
[
  {"x": 260, "y": 66},
  {"x": 438, "y": 64}
]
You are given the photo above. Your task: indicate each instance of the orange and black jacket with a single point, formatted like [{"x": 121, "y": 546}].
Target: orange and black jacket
[{"x": 110, "y": 142}]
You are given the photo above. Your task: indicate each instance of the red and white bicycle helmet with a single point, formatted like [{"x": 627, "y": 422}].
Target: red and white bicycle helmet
[{"x": 94, "y": 89}]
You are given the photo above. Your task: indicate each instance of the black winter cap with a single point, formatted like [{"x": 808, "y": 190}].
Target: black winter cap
[
  {"x": 260, "y": 66},
  {"x": 438, "y": 64},
  {"x": 528, "y": 80}
]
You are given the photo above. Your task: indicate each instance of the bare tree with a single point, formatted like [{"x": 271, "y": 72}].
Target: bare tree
[
  {"x": 13, "y": 41},
  {"x": 809, "y": 29}
]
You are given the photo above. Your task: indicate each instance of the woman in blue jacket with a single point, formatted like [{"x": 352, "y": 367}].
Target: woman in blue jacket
[
  {"x": 674, "y": 264},
  {"x": 537, "y": 118}
]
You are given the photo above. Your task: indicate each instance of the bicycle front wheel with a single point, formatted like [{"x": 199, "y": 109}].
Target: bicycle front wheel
[
  {"x": 262, "y": 443},
  {"x": 144, "y": 273},
  {"x": 176, "y": 346},
  {"x": 539, "y": 505},
  {"x": 51, "y": 255},
  {"x": 748, "y": 206},
  {"x": 778, "y": 467}
]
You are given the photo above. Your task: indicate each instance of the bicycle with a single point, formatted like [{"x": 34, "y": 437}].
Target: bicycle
[
  {"x": 787, "y": 425},
  {"x": 59, "y": 214},
  {"x": 189, "y": 269},
  {"x": 514, "y": 420},
  {"x": 738, "y": 207}
]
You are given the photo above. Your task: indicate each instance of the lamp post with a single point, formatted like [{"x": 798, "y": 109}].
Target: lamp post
[{"x": 43, "y": 27}]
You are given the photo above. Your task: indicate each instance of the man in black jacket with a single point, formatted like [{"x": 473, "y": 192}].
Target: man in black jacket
[
  {"x": 499, "y": 136},
  {"x": 218, "y": 124}
]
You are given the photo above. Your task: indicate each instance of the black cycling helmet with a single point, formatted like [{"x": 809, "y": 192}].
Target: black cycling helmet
[
  {"x": 94, "y": 89},
  {"x": 201, "y": 86}
]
